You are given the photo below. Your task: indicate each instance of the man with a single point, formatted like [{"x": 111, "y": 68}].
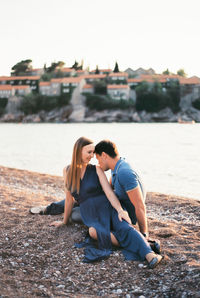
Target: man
[{"x": 126, "y": 184}]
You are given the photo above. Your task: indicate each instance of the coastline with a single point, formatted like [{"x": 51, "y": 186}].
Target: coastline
[
  {"x": 189, "y": 115},
  {"x": 37, "y": 260}
]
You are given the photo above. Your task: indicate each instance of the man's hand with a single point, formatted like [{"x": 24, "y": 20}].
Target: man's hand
[
  {"x": 122, "y": 214},
  {"x": 57, "y": 223}
]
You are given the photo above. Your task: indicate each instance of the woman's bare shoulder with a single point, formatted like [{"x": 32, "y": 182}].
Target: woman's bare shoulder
[{"x": 66, "y": 169}]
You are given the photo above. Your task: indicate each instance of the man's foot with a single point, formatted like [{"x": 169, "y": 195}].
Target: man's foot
[
  {"x": 38, "y": 210},
  {"x": 153, "y": 260}
]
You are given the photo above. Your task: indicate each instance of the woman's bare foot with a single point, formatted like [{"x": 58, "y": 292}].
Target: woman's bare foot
[{"x": 153, "y": 259}]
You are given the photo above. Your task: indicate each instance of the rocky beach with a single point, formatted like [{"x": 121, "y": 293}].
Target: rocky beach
[{"x": 39, "y": 260}]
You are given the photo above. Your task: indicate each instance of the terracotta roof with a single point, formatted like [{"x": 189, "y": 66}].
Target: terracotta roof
[
  {"x": 45, "y": 84},
  {"x": 4, "y": 78},
  {"x": 115, "y": 86},
  {"x": 21, "y": 87},
  {"x": 71, "y": 80},
  {"x": 58, "y": 80},
  {"x": 190, "y": 81},
  {"x": 163, "y": 79},
  {"x": 14, "y": 78},
  {"x": 24, "y": 78},
  {"x": 102, "y": 70},
  {"x": 6, "y": 87},
  {"x": 147, "y": 79},
  {"x": 118, "y": 74},
  {"x": 35, "y": 69},
  {"x": 66, "y": 69},
  {"x": 87, "y": 86},
  {"x": 67, "y": 80},
  {"x": 94, "y": 76}
]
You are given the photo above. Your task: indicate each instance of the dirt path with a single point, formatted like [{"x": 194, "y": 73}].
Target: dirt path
[{"x": 38, "y": 260}]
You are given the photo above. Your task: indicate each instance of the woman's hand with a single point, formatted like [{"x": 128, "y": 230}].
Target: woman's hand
[
  {"x": 122, "y": 214},
  {"x": 57, "y": 223}
]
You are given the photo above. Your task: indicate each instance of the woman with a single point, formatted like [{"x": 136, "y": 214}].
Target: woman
[{"x": 101, "y": 210}]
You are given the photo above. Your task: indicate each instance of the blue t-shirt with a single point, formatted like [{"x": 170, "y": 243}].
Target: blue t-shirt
[{"x": 124, "y": 179}]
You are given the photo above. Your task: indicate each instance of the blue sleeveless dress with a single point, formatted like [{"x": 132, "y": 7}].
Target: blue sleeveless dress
[{"x": 97, "y": 212}]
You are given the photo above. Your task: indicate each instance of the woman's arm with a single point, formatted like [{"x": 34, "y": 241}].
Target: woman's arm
[
  {"x": 122, "y": 214},
  {"x": 69, "y": 203}
]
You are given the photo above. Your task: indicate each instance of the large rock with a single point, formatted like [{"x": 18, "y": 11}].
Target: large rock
[
  {"x": 13, "y": 105},
  {"x": 34, "y": 118},
  {"x": 163, "y": 115},
  {"x": 193, "y": 114},
  {"x": 9, "y": 117}
]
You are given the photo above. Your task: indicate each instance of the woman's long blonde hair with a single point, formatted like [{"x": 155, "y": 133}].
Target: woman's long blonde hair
[{"x": 74, "y": 170}]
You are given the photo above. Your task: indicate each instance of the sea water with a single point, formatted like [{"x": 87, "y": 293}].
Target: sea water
[{"x": 166, "y": 155}]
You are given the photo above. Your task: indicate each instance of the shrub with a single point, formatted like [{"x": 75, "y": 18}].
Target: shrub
[
  {"x": 33, "y": 103},
  {"x": 196, "y": 104},
  {"x": 151, "y": 102},
  {"x": 97, "y": 102},
  {"x": 100, "y": 87},
  {"x": 152, "y": 98},
  {"x": 3, "y": 104}
]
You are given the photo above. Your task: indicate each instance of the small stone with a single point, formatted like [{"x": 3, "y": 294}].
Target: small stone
[
  {"x": 119, "y": 291},
  {"x": 140, "y": 265},
  {"x": 61, "y": 286},
  {"x": 26, "y": 244}
]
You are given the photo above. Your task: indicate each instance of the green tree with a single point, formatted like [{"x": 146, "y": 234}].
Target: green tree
[
  {"x": 196, "y": 104},
  {"x": 3, "y": 104},
  {"x": 55, "y": 66},
  {"x": 166, "y": 72},
  {"x": 21, "y": 67},
  {"x": 181, "y": 72},
  {"x": 100, "y": 87},
  {"x": 116, "y": 69},
  {"x": 97, "y": 70},
  {"x": 142, "y": 88},
  {"x": 76, "y": 65},
  {"x": 173, "y": 93}
]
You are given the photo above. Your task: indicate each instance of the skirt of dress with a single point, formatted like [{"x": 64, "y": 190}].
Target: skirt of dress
[{"x": 97, "y": 212}]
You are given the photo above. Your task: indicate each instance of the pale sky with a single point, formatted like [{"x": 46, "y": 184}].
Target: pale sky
[{"x": 135, "y": 33}]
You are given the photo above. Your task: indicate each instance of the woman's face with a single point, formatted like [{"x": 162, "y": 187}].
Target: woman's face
[{"x": 87, "y": 153}]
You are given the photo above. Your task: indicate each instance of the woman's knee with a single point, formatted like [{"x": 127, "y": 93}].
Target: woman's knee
[{"x": 93, "y": 233}]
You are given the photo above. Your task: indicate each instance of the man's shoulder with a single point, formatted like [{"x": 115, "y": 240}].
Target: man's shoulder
[
  {"x": 126, "y": 171},
  {"x": 124, "y": 167}
]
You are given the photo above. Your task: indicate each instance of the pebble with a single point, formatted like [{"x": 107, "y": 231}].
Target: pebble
[
  {"x": 119, "y": 291},
  {"x": 61, "y": 286},
  {"x": 26, "y": 244},
  {"x": 140, "y": 265}
]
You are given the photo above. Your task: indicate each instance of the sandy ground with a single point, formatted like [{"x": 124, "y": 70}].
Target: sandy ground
[{"x": 39, "y": 260}]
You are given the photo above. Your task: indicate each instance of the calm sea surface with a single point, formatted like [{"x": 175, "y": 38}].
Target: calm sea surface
[{"x": 167, "y": 156}]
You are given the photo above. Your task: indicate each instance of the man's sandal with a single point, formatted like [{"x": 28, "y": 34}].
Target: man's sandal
[{"x": 154, "y": 262}]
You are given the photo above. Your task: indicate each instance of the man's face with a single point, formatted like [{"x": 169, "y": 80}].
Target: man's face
[{"x": 102, "y": 159}]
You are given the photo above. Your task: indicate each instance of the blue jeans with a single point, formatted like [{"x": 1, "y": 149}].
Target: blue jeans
[{"x": 58, "y": 208}]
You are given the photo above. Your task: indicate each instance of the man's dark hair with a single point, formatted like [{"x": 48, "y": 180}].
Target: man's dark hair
[{"x": 107, "y": 147}]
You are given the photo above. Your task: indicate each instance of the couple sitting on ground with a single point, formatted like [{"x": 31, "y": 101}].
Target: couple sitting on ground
[{"x": 109, "y": 213}]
